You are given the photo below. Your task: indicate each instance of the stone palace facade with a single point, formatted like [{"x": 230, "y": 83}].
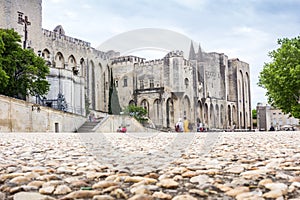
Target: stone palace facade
[{"x": 208, "y": 87}]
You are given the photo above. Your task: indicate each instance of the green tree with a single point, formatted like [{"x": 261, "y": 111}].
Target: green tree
[
  {"x": 254, "y": 114},
  {"x": 281, "y": 76},
  {"x": 22, "y": 72},
  {"x": 139, "y": 113},
  {"x": 254, "y": 117}
]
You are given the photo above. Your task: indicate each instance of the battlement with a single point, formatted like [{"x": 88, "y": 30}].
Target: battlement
[
  {"x": 57, "y": 36},
  {"x": 101, "y": 54},
  {"x": 176, "y": 53},
  {"x": 152, "y": 62},
  {"x": 123, "y": 60}
]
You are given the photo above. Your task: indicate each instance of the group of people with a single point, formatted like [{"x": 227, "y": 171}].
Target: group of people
[
  {"x": 122, "y": 129},
  {"x": 186, "y": 126}
]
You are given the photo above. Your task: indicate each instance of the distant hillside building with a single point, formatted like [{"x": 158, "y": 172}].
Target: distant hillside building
[
  {"x": 268, "y": 116},
  {"x": 206, "y": 87}
]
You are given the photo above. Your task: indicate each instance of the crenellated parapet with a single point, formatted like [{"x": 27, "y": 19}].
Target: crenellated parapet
[
  {"x": 152, "y": 62},
  {"x": 176, "y": 53},
  {"x": 57, "y": 36},
  {"x": 124, "y": 60}
]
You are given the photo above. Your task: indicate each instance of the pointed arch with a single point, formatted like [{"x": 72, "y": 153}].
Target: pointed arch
[
  {"x": 145, "y": 105},
  {"x": 229, "y": 116},
  {"x": 131, "y": 103},
  {"x": 217, "y": 116},
  {"x": 157, "y": 115},
  {"x": 200, "y": 111},
  {"x": 235, "y": 116},
  {"x": 46, "y": 54},
  {"x": 98, "y": 89},
  {"x": 242, "y": 102},
  {"x": 222, "y": 117},
  {"x": 212, "y": 116},
  {"x": 59, "y": 60},
  {"x": 186, "y": 107},
  {"x": 206, "y": 114},
  {"x": 169, "y": 112},
  {"x": 71, "y": 62},
  {"x": 91, "y": 83},
  {"x": 82, "y": 67},
  {"x": 248, "y": 103}
]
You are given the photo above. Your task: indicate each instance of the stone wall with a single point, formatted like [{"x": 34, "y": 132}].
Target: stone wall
[
  {"x": 112, "y": 122},
  {"x": 20, "y": 116}
]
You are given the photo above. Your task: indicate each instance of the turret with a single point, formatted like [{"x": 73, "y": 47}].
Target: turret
[
  {"x": 192, "y": 54},
  {"x": 199, "y": 54}
]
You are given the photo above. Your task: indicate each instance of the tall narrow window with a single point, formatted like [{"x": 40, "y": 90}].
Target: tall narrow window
[
  {"x": 125, "y": 82},
  {"x": 186, "y": 82},
  {"x": 141, "y": 84},
  {"x": 151, "y": 83}
]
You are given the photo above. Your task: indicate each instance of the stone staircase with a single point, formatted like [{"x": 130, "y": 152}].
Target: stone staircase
[{"x": 87, "y": 127}]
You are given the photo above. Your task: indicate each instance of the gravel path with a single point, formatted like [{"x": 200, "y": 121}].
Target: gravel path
[{"x": 254, "y": 165}]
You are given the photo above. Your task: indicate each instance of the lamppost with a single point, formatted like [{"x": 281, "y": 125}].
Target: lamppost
[{"x": 24, "y": 21}]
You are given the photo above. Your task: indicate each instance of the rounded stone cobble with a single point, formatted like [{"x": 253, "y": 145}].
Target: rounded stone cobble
[{"x": 249, "y": 165}]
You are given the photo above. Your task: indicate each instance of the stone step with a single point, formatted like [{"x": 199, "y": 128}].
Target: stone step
[{"x": 87, "y": 127}]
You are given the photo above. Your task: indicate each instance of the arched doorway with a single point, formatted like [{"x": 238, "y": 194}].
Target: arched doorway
[
  {"x": 229, "y": 116},
  {"x": 235, "y": 120},
  {"x": 145, "y": 105},
  {"x": 187, "y": 108},
  {"x": 200, "y": 111},
  {"x": 157, "y": 116},
  {"x": 217, "y": 116},
  {"x": 206, "y": 122},
  {"x": 222, "y": 114},
  {"x": 212, "y": 116}
]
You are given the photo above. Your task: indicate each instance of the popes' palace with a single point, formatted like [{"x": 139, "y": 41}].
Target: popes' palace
[{"x": 208, "y": 87}]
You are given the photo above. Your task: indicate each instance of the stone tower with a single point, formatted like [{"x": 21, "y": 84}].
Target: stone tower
[{"x": 15, "y": 13}]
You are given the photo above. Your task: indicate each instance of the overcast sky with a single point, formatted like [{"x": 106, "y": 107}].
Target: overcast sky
[{"x": 246, "y": 29}]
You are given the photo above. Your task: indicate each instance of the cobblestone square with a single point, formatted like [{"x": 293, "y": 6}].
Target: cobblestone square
[{"x": 248, "y": 165}]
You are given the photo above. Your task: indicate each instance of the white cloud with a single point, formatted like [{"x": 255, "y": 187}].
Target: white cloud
[
  {"x": 192, "y": 4},
  {"x": 86, "y": 6},
  {"x": 56, "y": 1},
  {"x": 71, "y": 15}
]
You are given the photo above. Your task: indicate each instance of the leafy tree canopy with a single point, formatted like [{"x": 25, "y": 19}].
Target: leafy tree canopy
[
  {"x": 21, "y": 71},
  {"x": 281, "y": 77},
  {"x": 139, "y": 113},
  {"x": 254, "y": 114}
]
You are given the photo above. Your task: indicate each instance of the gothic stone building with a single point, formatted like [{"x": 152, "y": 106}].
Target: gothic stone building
[{"x": 207, "y": 86}]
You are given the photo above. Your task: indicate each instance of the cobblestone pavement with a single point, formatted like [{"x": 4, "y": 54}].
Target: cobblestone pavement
[{"x": 254, "y": 165}]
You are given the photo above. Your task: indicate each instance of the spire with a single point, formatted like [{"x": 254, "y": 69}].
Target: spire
[
  {"x": 199, "y": 54},
  {"x": 192, "y": 55}
]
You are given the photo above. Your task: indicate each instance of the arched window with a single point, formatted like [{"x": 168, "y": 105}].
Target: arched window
[
  {"x": 72, "y": 65},
  {"x": 59, "y": 60},
  {"x": 131, "y": 103},
  {"x": 82, "y": 67},
  {"x": 186, "y": 82},
  {"x": 125, "y": 84}
]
